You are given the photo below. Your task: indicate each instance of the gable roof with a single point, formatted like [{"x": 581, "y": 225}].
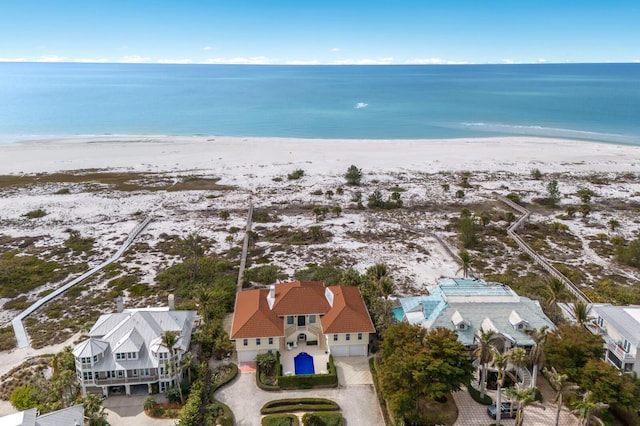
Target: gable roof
[
  {"x": 254, "y": 318},
  {"x": 624, "y": 319}
]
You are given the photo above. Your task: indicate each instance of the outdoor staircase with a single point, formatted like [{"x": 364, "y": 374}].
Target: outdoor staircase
[{"x": 525, "y": 376}]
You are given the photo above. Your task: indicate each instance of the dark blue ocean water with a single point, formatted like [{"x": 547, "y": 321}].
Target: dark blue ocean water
[{"x": 583, "y": 101}]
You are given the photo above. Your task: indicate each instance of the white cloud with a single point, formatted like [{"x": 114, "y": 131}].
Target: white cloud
[
  {"x": 174, "y": 61},
  {"x": 365, "y": 61},
  {"x": 508, "y": 61},
  {"x": 51, "y": 58},
  {"x": 207, "y": 48},
  {"x": 296, "y": 62},
  {"x": 541, "y": 61},
  {"x": 13, "y": 59},
  {"x": 92, "y": 61},
  {"x": 433, "y": 61},
  {"x": 134, "y": 59},
  {"x": 335, "y": 49},
  {"x": 254, "y": 60}
]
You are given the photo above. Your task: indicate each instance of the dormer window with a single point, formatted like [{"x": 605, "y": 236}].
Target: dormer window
[{"x": 462, "y": 326}]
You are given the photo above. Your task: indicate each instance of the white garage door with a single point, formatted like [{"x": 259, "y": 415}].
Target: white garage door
[
  {"x": 247, "y": 356},
  {"x": 358, "y": 350},
  {"x": 340, "y": 350}
]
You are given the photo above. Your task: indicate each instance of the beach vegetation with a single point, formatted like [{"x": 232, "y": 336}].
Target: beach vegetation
[
  {"x": 317, "y": 192},
  {"x": 571, "y": 211},
  {"x": 224, "y": 214},
  {"x": 192, "y": 248},
  {"x": 62, "y": 191},
  {"x": 22, "y": 273},
  {"x": 467, "y": 231},
  {"x": 585, "y": 195},
  {"x": 553, "y": 193},
  {"x": 7, "y": 338},
  {"x": 353, "y": 175},
  {"x": 464, "y": 181},
  {"x": 262, "y": 216},
  {"x": 35, "y": 214},
  {"x": 340, "y": 190},
  {"x": 328, "y": 193},
  {"x": 459, "y": 193},
  {"x": 445, "y": 187},
  {"x": 77, "y": 243},
  {"x": 375, "y": 200},
  {"x": 584, "y": 209},
  {"x": 514, "y": 197},
  {"x": 296, "y": 174},
  {"x": 337, "y": 210},
  {"x": 629, "y": 254},
  {"x": 613, "y": 224},
  {"x": 265, "y": 274},
  {"x": 536, "y": 174}
]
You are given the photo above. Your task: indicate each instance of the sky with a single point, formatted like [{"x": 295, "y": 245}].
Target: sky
[{"x": 320, "y": 32}]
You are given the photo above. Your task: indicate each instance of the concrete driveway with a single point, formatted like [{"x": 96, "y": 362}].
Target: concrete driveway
[
  {"x": 127, "y": 411},
  {"x": 355, "y": 395}
]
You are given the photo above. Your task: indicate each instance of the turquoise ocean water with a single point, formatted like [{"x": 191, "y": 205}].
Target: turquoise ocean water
[{"x": 584, "y": 101}]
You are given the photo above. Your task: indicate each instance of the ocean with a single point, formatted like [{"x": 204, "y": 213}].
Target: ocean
[{"x": 599, "y": 102}]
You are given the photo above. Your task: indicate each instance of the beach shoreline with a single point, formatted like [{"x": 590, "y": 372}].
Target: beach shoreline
[{"x": 260, "y": 155}]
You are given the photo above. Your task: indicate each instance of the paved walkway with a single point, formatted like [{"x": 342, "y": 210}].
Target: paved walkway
[
  {"x": 470, "y": 413},
  {"x": 356, "y": 398}
]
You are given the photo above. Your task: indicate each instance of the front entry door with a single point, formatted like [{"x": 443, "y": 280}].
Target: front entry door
[{"x": 301, "y": 320}]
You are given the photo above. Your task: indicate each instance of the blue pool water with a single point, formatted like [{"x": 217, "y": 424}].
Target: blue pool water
[{"x": 304, "y": 363}]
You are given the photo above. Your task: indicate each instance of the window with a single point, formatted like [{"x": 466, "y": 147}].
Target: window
[
  {"x": 144, "y": 371},
  {"x": 271, "y": 340},
  {"x": 312, "y": 319},
  {"x": 348, "y": 336},
  {"x": 258, "y": 341},
  {"x": 600, "y": 321},
  {"x": 245, "y": 342},
  {"x": 95, "y": 358},
  {"x": 129, "y": 355},
  {"x": 87, "y": 375},
  {"x": 86, "y": 360},
  {"x": 335, "y": 337},
  {"x": 626, "y": 345},
  {"x": 111, "y": 374},
  {"x": 359, "y": 336},
  {"x": 290, "y": 320},
  {"x": 135, "y": 373},
  {"x": 120, "y": 355},
  {"x": 120, "y": 373}
]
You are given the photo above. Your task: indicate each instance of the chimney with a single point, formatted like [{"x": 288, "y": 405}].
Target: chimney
[
  {"x": 271, "y": 297},
  {"x": 172, "y": 302},
  {"x": 119, "y": 304}
]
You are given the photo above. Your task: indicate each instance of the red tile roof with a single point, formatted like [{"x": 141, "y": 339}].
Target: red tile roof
[
  {"x": 253, "y": 317},
  {"x": 348, "y": 314}
]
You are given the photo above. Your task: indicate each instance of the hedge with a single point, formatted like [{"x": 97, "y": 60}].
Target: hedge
[
  {"x": 308, "y": 381},
  {"x": 280, "y": 420},
  {"x": 475, "y": 394},
  {"x": 289, "y": 405},
  {"x": 327, "y": 419}
]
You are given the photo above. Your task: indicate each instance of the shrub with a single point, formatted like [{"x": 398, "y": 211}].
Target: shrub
[
  {"x": 20, "y": 274},
  {"x": 265, "y": 274},
  {"x": 34, "y": 214},
  {"x": 353, "y": 175},
  {"x": 299, "y": 404},
  {"x": 296, "y": 174},
  {"x": 475, "y": 394},
  {"x": 78, "y": 244},
  {"x": 280, "y": 420},
  {"x": 62, "y": 191},
  {"x": 323, "y": 419}
]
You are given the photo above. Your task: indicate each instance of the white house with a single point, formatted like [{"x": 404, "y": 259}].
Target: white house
[
  {"x": 125, "y": 351},
  {"x": 71, "y": 416},
  {"x": 619, "y": 326}
]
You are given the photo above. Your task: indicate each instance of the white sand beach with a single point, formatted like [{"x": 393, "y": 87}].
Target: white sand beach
[{"x": 265, "y": 156}]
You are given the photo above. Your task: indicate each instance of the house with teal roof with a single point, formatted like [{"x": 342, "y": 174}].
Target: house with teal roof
[{"x": 469, "y": 305}]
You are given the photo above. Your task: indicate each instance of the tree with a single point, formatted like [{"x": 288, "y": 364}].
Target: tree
[
  {"x": 518, "y": 358},
  {"x": 485, "y": 219},
  {"x": 149, "y": 403},
  {"x": 169, "y": 341},
  {"x": 417, "y": 364},
  {"x": 375, "y": 200},
  {"x": 580, "y": 311},
  {"x": 571, "y": 211},
  {"x": 536, "y": 355},
  {"x": 484, "y": 354},
  {"x": 204, "y": 299},
  {"x": 569, "y": 347},
  {"x": 445, "y": 187},
  {"x": 94, "y": 411},
  {"x": 224, "y": 214},
  {"x": 613, "y": 224},
  {"x": 467, "y": 231},
  {"x": 523, "y": 397},
  {"x": 585, "y": 210},
  {"x": 536, "y": 174},
  {"x": 229, "y": 240},
  {"x": 585, "y": 195},
  {"x": 26, "y": 397},
  {"x": 562, "y": 386},
  {"x": 222, "y": 345},
  {"x": 353, "y": 175},
  {"x": 315, "y": 232},
  {"x": 606, "y": 383},
  {"x": 337, "y": 211},
  {"x": 395, "y": 197},
  {"x": 553, "y": 193},
  {"x": 266, "y": 362},
  {"x": 187, "y": 363},
  {"x": 499, "y": 362},
  {"x": 459, "y": 193},
  {"x": 586, "y": 410},
  {"x": 465, "y": 260},
  {"x": 328, "y": 193},
  {"x": 192, "y": 246},
  {"x": 554, "y": 289}
]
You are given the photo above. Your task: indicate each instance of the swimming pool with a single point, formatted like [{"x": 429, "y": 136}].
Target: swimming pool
[{"x": 303, "y": 363}]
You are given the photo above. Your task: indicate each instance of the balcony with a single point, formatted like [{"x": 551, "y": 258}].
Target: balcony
[
  {"x": 619, "y": 352},
  {"x": 290, "y": 330},
  {"x": 122, "y": 380}
]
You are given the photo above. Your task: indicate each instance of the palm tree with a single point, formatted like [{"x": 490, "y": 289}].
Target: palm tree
[
  {"x": 536, "y": 356},
  {"x": 499, "y": 362},
  {"x": 518, "y": 358},
  {"x": 187, "y": 362},
  {"x": 613, "y": 224},
  {"x": 554, "y": 288},
  {"x": 483, "y": 353},
  {"x": 562, "y": 386},
  {"x": 523, "y": 397},
  {"x": 586, "y": 410},
  {"x": 169, "y": 340},
  {"x": 580, "y": 311},
  {"x": 94, "y": 411},
  {"x": 192, "y": 245},
  {"x": 465, "y": 260},
  {"x": 204, "y": 298}
]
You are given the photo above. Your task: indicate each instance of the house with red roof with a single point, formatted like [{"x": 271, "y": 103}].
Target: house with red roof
[{"x": 267, "y": 320}]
